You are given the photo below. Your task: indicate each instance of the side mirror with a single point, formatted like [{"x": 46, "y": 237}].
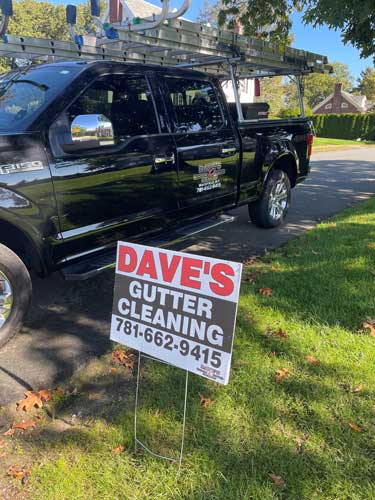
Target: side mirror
[{"x": 90, "y": 132}]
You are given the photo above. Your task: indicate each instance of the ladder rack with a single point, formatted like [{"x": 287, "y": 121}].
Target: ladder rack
[{"x": 165, "y": 40}]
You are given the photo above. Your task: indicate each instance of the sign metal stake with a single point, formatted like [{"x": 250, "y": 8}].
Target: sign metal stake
[{"x": 138, "y": 442}]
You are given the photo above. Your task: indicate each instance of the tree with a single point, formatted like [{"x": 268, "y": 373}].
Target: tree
[
  {"x": 270, "y": 19},
  {"x": 366, "y": 83},
  {"x": 264, "y": 19},
  {"x": 318, "y": 86},
  {"x": 44, "y": 20}
]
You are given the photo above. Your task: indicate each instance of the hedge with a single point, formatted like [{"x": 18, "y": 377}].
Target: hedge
[{"x": 345, "y": 126}]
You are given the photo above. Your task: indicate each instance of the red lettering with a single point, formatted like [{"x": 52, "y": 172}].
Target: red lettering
[
  {"x": 224, "y": 284},
  {"x": 191, "y": 269},
  {"x": 127, "y": 259},
  {"x": 169, "y": 271},
  {"x": 147, "y": 265}
]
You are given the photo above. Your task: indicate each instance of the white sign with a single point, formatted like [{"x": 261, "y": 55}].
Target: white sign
[{"x": 177, "y": 307}]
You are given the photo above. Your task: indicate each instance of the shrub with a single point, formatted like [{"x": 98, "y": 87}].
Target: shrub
[{"x": 345, "y": 126}]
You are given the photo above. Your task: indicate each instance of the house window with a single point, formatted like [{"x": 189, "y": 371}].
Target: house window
[
  {"x": 344, "y": 105},
  {"x": 328, "y": 106}
]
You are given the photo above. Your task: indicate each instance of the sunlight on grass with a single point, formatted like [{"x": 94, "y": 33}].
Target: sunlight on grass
[{"x": 298, "y": 428}]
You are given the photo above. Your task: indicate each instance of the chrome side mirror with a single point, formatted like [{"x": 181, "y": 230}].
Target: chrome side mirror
[{"x": 92, "y": 131}]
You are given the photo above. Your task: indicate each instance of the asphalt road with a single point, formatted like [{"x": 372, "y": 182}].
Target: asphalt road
[{"x": 69, "y": 321}]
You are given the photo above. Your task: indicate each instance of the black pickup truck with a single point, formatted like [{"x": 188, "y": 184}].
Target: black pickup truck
[{"x": 95, "y": 152}]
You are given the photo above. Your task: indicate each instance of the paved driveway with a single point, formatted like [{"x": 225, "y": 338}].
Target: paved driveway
[{"x": 69, "y": 321}]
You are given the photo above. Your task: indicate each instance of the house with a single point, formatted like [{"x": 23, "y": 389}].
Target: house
[
  {"x": 343, "y": 102},
  {"x": 143, "y": 9}
]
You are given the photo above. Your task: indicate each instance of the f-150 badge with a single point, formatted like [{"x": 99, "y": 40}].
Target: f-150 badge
[
  {"x": 209, "y": 177},
  {"x": 27, "y": 166}
]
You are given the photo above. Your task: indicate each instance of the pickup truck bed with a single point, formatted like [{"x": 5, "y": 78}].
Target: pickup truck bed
[{"x": 91, "y": 153}]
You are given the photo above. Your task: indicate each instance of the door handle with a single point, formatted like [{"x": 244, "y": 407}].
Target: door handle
[
  {"x": 162, "y": 160},
  {"x": 228, "y": 151}
]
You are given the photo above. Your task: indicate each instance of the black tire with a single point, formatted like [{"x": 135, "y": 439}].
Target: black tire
[
  {"x": 15, "y": 277},
  {"x": 270, "y": 211}
]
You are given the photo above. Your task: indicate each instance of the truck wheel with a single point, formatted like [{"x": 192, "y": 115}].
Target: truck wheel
[
  {"x": 15, "y": 293},
  {"x": 270, "y": 210}
]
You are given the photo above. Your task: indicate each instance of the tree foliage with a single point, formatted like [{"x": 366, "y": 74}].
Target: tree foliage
[
  {"x": 270, "y": 19},
  {"x": 366, "y": 83},
  {"x": 43, "y": 19}
]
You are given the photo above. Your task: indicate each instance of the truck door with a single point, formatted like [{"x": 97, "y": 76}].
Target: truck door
[
  {"x": 125, "y": 188},
  {"x": 206, "y": 144}
]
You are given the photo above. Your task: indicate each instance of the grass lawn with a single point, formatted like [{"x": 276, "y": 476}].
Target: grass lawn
[
  {"x": 326, "y": 144},
  {"x": 314, "y": 429}
]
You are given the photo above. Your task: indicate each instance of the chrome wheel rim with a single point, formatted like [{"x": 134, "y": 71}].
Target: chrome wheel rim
[
  {"x": 278, "y": 201},
  {"x": 6, "y": 299}
]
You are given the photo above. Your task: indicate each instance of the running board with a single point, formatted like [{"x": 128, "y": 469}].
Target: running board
[{"x": 88, "y": 268}]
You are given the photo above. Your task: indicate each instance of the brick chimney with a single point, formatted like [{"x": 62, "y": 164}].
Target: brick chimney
[{"x": 338, "y": 89}]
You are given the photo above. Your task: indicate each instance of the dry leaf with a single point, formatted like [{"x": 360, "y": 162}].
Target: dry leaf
[
  {"x": 250, "y": 261},
  {"x": 118, "y": 449},
  {"x": 32, "y": 400},
  {"x": 281, "y": 333},
  {"x": 355, "y": 427},
  {"x": 312, "y": 360},
  {"x": 45, "y": 395},
  {"x": 266, "y": 291},
  {"x": 371, "y": 246},
  {"x": 124, "y": 358},
  {"x": 18, "y": 472},
  {"x": 369, "y": 325},
  {"x": 9, "y": 432},
  {"x": 277, "y": 480},
  {"x": 357, "y": 389},
  {"x": 24, "y": 425},
  {"x": 282, "y": 374},
  {"x": 275, "y": 268},
  {"x": 205, "y": 402}
]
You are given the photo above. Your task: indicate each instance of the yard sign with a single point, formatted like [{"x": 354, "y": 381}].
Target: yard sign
[{"x": 177, "y": 307}]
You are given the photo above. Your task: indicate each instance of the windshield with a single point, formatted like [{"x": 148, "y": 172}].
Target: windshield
[{"x": 25, "y": 93}]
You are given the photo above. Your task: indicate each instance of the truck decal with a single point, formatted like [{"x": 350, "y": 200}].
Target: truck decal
[{"x": 27, "y": 166}]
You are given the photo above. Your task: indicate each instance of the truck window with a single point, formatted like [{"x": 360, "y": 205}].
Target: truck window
[
  {"x": 195, "y": 105},
  {"x": 25, "y": 93},
  {"x": 125, "y": 101}
]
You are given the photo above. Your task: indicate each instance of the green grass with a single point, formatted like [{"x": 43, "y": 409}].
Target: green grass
[
  {"x": 323, "y": 289},
  {"x": 322, "y": 141}
]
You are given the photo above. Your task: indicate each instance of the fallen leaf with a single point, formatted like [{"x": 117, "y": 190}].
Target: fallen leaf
[
  {"x": 32, "y": 400},
  {"x": 282, "y": 374},
  {"x": 332, "y": 224},
  {"x": 205, "y": 402},
  {"x": 118, "y": 449},
  {"x": 266, "y": 291},
  {"x": 371, "y": 246},
  {"x": 369, "y": 325},
  {"x": 122, "y": 357},
  {"x": 355, "y": 427},
  {"x": 250, "y": 277},
  {"x": 2, "y": 443},
  {"x": 276, "y": 333},
  {"x": 45, "y": 395},
  {"x": 275, "y": 269},
  {"x": 273, "y": 354},
  {"x": 357, "y": 389},
  {"x": 114, "y": 370},
  {"x": 277, "y": 480},
  {"x": 18, "y": 472},
  {"x": 250, "y": 261},
  {"x": 9, "y": 432},
  {"x": 312, "y": 360},
  {"x": 24, "y": 425}
]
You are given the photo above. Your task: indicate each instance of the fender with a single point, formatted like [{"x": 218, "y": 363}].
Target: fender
[
  {"x": 28, "y": 214},
  {"x": 285, "y": 158}
]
